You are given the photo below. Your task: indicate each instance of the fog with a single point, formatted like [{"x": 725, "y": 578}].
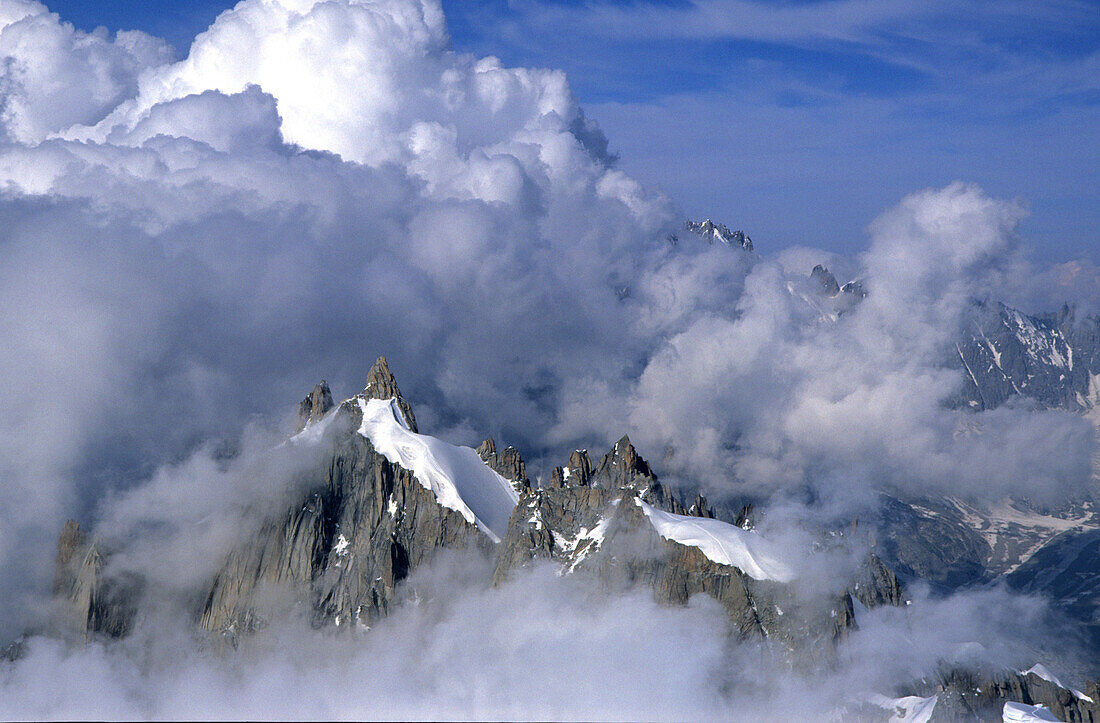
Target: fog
[{"x": 193, "y": 244}]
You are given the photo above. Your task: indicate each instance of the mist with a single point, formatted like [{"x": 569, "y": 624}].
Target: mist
[{"x": 193, "y": 245}]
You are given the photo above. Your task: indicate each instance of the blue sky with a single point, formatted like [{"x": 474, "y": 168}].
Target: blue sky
[{"x": 800, "y": 120}]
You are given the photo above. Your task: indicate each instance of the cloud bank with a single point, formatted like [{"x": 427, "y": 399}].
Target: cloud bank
[{"x": 186, "y": 247}]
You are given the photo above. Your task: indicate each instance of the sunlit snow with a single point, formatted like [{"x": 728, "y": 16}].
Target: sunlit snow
[
  {"x": 723, "y": 543},
  {"x": 1024, "y": 713},
  {"x": 457, "y": 476}
]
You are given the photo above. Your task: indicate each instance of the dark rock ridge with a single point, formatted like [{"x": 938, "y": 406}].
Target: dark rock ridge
[
  {"x": 711, "y": 232},
  {"x": 363, "y": 523},
  {"x": 587, "y": 520},
  {"x": 980, "y": 696}
]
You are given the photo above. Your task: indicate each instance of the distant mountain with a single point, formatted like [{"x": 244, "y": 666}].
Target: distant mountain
[
  {"x": 1053, "y": 359},
  {"x": 712, "y": 232}
]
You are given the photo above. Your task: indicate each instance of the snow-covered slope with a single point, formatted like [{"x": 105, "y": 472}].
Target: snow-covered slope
[
  {"x": 457, "y": 476},
  {"x": 722, "y": 542},
  {"x": 910, "y": 709},
  {"x": 1041, "y": 671},
  {"x": 1024, "y": 713}
]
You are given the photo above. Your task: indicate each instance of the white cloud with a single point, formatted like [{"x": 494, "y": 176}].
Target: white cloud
[
  {"x": 316, "y": 184},
  {"x": 55, "y": 76}
]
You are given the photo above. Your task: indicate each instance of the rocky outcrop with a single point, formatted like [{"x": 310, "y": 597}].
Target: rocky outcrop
[
  {"x": 876, "y": 584},
  {"x": 92, "y": 602},
  {"x": 362, "y": 526},
  {"x": 969, "y": 695},
  {"x": 587, "y": 520},
  {"x": 507, "y": 463},
  {"x": 825, "y": 278},
  {"x": 314, "y": 406}
]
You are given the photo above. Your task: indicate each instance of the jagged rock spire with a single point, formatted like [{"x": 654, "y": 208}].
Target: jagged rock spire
[
  {"x": 825, "y": 277},
  {"x": 316, "y": 404},
  {"x": 631, "y": 460},
  {"x": 576, "y": 473},
  {"x": 382, "y": 385},
  {"x": 508, "y": 464}
]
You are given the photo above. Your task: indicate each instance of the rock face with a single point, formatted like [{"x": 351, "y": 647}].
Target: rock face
[
  {"x": 930, "y": 540},
  {"x": 967, "y": 695},
  {"x": 508, "y": 464},
  {"x": 876, "y": 584},
  {"x": 589, "y": 520},
  {"x": 1067, "y": 571},
  {"x": 361, "y": 527},
  {"x": 93, "y": 603},
  {"x": 314, "y": 406},
  {"x": 1053, "y": 359}
]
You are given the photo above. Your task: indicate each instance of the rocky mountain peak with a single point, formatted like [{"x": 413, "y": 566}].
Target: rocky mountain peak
[
  {"x": 828, "y": 282},
  {"x": 711, "y": 232},
  {"x": 624, "y": 452},
  {"x": 855, "y": 288},
  {"x": 487, "y": 448},
  {"x": 381, "y": 384},
  {"x": 316, "y": 404}
]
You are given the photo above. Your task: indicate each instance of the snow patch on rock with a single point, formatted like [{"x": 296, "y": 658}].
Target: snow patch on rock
[
  {"x": 723, "y": 543},
  {"x": 1024, "y": 713},
  {"x": 457, "y": 476},
  {"x": 910, "y": 709}
]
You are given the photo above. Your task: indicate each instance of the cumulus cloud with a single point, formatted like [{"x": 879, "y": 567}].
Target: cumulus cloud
[
  {"x": 192, "y": 244},
  {"x": 55, "y": 76},
  {"x": 782, "y": 395}
]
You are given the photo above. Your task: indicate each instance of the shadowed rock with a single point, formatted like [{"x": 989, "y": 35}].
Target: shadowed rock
[
  {"x": 362, "y": 525},
  {"x": 977, "y": 695},
  {"x": 314, "y": 406},
  {"x": 93, "y": 603},
  {"x": 825, "y": 278},
  {"x": 508, "y": 464}
]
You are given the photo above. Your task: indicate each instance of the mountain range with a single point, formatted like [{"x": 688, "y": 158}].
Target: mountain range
[{"x": 385, "y": 499}]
